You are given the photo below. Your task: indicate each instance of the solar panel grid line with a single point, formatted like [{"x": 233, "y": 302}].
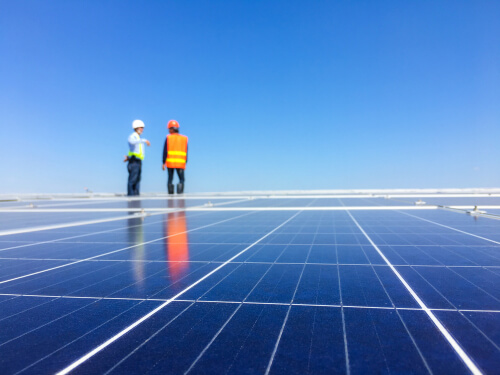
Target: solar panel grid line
[
  {"x": 485, "y": 336},
  {"x": 273, "y": 354},
  {"x": 148, "y": 339},
  {"x": 52, "y": 297},
  {"x": 83, "y": 297},
  {"x": 331, "y": 306},
  {"x": 78, "y": 275},
  {"x": 291, "y": 238},
  {"x": 376, "y": 331},
  {"x": 65, "y": 238},
  {"x": 156, "y": 211},
  {"x": 455, "y": 229},
  {"x": 316, "y": 208},
  {"x": 218, "y": 282},
  {"x": 35, "y": 281},
  {"x": 45, "y": 324},
  {"x": 186, "y": 276},
  {"x": 466, "y": 258},
  {"x": 115, "y": 251},
  {"x": 48, "y": 269},
  {"x": 439, "y": 292},
  {"x": 230, "y": 274},
  {"x": 213, "y": 339},
  {"x": 242, "y": 302},
  {"x": 275, "y": 349},
  {"x": 250, "y": 262},
  {"x": 422, "y": 357},
  {"x": 468, "y": 310},
  {"x": 90, "y": 234},
  {"x": 100, "y": 281},
  {"x": 278, "y": 340},
  {"x": 344, "y": 330},
  {"x": 458, "y": 255},
  {"x": 474, "y": 284},
  {"x": 147, "y": 316},
  {"x": 478, "y": 247},
  {"x": 449, "y": 248},
  {"x": 78, "y": 338},
  {"x": 12, "y": 271},
  {"x": 458, "y": 349},
  {"x": 130, "y": 260}
]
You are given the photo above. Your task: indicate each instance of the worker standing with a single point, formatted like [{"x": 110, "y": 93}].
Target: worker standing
[
  {"x": 175, "y": 156},
  {"x": 135, "y": 157}
]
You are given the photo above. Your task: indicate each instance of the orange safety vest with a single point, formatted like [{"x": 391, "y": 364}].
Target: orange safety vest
[{"x": 176, "y": 151}]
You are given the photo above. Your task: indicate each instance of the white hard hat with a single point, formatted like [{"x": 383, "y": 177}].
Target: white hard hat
[{"x": 137, "y": 124}]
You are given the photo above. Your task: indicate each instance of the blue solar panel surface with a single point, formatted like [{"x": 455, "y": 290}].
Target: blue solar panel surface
[
  {"x": 315, "y": 202},
  {"x": 23, "y": 220},
  {"x": 278, "y": 291}
]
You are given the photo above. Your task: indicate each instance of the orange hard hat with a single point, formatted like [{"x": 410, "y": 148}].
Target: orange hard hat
[{"x": 172, "y": 124}]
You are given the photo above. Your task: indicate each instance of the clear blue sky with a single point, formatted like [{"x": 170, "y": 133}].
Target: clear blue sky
[{"x": 272, "y": 94}]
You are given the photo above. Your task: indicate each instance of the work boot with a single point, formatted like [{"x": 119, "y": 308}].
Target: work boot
[
  {"x": 180, "y": 188},
  {"x": 170, "y": 188}
]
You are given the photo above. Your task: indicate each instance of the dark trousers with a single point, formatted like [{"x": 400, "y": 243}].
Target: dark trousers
[
  {"x": 180, "y": 173},
  {"x": 134, "y": 176}
]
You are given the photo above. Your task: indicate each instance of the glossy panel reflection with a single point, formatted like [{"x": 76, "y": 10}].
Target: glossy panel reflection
[
  {"x": 135, "y": 232},
  {"x": 177, "y": 242}
]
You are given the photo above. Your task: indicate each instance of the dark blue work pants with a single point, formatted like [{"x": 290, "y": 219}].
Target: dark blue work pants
[
  {"x": 134, "y": 176},
  {"x": 180, "y": 173}
]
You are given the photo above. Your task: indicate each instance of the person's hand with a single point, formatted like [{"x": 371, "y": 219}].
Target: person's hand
[
  {"x": 125, "y": 158},
  {"x": 148, "y": 143},
  {"x": 163, "y": 166}
]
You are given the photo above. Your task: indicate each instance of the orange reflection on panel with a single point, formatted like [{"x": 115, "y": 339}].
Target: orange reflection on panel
[{"x": 177, "y": 244}]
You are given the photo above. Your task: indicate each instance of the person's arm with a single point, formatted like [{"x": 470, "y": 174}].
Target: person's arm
[
  {"x": 165, "y": 153},
  {"x": 186, "y": 154},
  {"x": 133, "y": 140}
]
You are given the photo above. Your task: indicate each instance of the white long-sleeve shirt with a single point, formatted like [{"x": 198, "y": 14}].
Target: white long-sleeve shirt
[{"x": 135, "y": 143}]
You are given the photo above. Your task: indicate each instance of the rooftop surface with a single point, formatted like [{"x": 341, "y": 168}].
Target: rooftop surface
[{"x": 349, "y": 282}]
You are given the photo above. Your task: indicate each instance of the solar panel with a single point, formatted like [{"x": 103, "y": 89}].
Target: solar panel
[{"x": 264, "y": 283}]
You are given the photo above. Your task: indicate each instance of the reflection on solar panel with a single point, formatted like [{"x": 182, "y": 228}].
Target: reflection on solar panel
[{"x": 263, "y": 283}]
